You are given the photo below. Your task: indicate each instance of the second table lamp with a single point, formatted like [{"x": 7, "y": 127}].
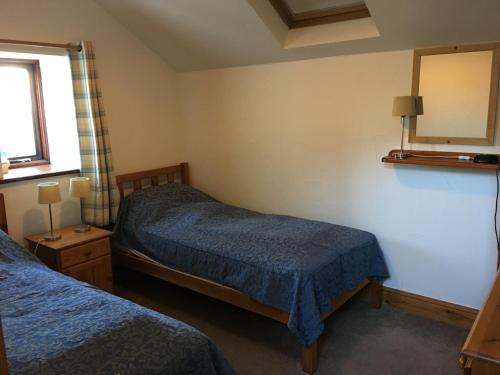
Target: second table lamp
[{"x": 79, "y": 187}]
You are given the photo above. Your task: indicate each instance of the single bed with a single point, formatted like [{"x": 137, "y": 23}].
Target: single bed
[
  {"x": 53, "y": 324},
  {"x": 292, "y": 270}
]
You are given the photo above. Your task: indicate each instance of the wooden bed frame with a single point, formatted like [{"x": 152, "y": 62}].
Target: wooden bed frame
[
  {"x": 3, "y": 226},
  {"x": 180, "y": 173}
]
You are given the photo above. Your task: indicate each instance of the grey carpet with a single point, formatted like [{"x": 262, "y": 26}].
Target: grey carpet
[{"x": 357, "y": 339}]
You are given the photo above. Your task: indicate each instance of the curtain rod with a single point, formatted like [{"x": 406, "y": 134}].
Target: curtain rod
[{"x": 67, "y": 46}]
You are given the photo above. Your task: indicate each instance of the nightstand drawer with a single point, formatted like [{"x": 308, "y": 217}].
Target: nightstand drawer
[
  {"x": 96, "y": 272},
  {"x": 83, "y": 253}
]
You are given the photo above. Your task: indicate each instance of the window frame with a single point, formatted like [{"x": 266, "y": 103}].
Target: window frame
[
  {"x": 354, "y": 11},
  {"x": 42, "y": 155}
]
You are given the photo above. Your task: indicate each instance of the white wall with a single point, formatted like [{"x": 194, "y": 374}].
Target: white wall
[
  {"x": 301, "y": 138},
  {"x": 138, "y": 93},
  {"x": 306, "y": 139}
]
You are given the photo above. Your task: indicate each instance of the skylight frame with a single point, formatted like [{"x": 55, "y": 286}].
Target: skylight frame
[{"x": 321, "y": 16}]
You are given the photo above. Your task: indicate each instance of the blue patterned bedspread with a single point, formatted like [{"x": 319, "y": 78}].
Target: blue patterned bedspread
[
  {"x": 56, "y": 325},
  {"x": 296, "y": 265}
]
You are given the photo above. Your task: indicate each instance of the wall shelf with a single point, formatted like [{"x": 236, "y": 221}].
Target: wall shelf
[{"x": 441, "y": 159}]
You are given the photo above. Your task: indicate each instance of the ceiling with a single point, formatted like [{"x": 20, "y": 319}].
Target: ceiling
[{"x": 207, "y": 34}]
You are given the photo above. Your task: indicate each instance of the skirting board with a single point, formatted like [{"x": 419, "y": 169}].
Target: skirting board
[{"x": 431, "y": 308}]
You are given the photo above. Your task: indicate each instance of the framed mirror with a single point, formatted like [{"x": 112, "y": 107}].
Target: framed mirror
[{"x": 459, "y": 86}]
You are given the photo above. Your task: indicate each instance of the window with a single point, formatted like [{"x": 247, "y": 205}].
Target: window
[
  {"x": 21, "y": 113},
  {"x": 37, "y": 112},
  {"x": 304, "y": 13}
]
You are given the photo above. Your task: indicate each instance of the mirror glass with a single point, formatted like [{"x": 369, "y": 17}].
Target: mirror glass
[{"x": 458, "y": 94}]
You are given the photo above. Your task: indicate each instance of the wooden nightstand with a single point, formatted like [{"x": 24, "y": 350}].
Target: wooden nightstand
[{"x": 83, "y": 256}]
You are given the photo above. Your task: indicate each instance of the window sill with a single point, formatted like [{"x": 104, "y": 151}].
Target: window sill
[
  {"x": 34, "y": 163},
  {"x": 36, "y": 172}
]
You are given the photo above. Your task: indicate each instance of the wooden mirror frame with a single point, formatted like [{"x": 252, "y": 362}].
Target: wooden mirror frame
[{"x": 493, "y": 98}]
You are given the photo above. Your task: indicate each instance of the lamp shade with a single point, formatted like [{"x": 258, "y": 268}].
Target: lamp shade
[
  {"x": 79, "y": 187},
  {"x": 408, "y": 106},
  {"x": 48, "y": 192}
]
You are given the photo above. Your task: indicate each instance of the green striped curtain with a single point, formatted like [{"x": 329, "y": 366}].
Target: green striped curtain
[{"x": 95, "y": 152}]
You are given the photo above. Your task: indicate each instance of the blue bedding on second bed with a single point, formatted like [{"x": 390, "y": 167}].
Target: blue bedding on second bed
[
  {"x": 296, "y": 265},
  {"x": 56, "y": 325}
]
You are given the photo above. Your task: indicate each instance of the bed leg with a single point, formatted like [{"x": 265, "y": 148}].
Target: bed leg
[
  {"x": 310, "y": 358},
  {"x": 375, "y": 294}
]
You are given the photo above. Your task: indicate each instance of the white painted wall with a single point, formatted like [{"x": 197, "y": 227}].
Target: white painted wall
[
  {"x": 138, "y": 93},
  {"x": 301, "y": 138},
  {"x": 306, "y": 139}
]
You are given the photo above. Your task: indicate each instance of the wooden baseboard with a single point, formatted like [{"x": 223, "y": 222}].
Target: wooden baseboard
[{"x": 430, "y": 308}]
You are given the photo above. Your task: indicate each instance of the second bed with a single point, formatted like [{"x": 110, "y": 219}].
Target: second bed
[{"x": 292, "y": 270}]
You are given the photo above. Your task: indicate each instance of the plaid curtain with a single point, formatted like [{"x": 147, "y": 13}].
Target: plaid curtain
[{"x": 95, "y": 152}]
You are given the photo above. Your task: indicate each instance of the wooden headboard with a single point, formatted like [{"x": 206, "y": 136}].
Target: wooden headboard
[
  {"x": 3, "y": 215},
  {"x": 152, "y": 177}
]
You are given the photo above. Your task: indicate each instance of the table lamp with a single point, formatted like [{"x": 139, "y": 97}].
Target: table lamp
[
  {"x": 406, "y": 106},
  {"x": 79, "y": 187},
  {"x": 48, "y": 193}
]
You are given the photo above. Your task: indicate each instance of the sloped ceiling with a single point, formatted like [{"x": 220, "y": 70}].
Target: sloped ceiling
[{"x": 206, "y": 34}]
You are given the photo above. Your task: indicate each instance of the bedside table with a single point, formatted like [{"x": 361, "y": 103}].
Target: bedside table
[{"x": 83, "y": 256}]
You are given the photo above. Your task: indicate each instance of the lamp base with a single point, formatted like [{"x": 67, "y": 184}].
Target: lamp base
[
  {"x": 52, "y": 237},
  {"x": 400, "y": 155},
  {"x": 82, "y": 228}
]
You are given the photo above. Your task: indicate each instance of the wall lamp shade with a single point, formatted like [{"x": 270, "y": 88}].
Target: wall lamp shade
[
  {"x": 48, "y": 193},
  {"x": 406, "y": 106},
  {"x": 79, "y": 187}
]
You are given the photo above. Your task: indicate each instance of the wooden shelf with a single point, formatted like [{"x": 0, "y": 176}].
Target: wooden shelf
[{"x": 442, "y": 159}]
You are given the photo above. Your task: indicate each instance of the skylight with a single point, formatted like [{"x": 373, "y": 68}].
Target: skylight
[
  {"x": 303, "y": 13},
  {"x": 300, "y": 6}
]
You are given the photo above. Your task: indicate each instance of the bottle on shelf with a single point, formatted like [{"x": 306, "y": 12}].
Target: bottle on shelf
[{"x": 4, "y": 162}]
